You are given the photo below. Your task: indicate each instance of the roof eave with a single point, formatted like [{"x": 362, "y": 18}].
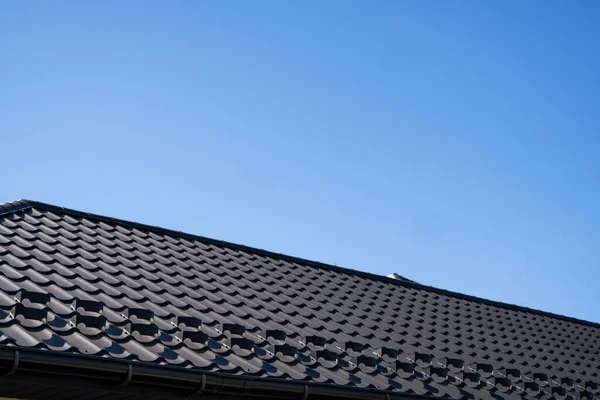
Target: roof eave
[{"x": 137, "y": 378}]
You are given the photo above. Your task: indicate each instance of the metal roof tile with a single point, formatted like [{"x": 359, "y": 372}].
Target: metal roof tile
[{"x": 175, "y": 293}]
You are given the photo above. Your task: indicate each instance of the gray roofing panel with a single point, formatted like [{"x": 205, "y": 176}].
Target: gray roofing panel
[{"x": 74, "y": 282}]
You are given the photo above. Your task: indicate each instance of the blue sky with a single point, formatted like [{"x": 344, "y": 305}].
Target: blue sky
[{"x": 455, "y": 143}]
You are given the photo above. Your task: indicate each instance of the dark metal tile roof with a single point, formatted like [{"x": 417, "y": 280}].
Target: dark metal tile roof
[{"x": 80, "y": 283}]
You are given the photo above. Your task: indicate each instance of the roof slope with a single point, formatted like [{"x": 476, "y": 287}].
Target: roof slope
[{"x": 85, "y": 284}]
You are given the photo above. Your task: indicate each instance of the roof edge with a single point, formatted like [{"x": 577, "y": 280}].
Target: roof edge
[
  {"x": 23, "y": 204},
  {"x": 15, "y": 206},
  {"x": 194, "y": 381}
]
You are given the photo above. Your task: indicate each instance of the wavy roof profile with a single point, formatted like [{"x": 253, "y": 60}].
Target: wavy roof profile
[{"x": 158, "y": 303}]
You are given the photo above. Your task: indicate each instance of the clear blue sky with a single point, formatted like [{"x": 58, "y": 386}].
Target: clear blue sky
[{"x": 454, "y": 142}]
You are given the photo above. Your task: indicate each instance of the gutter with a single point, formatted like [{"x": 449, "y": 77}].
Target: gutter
[{"x": 176, "y": 382}]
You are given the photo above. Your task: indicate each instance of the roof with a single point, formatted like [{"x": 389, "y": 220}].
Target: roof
[{"x": 76, "y": 286}]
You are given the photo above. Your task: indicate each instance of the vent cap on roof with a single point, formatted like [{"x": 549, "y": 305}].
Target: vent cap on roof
[{"x": 399, "y": 277}]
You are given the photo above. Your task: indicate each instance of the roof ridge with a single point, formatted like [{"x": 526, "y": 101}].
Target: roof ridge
[
  {"x": 23, "y": 204},
  {"x": 14, "y": 206}
]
